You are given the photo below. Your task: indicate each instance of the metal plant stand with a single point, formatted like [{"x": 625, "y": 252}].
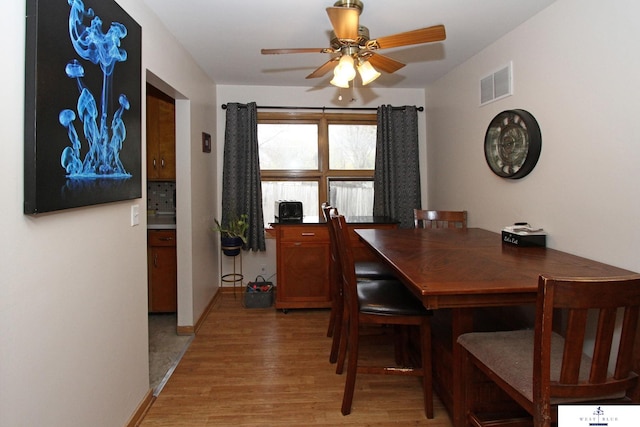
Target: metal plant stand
[{"x": 236, "y": 276}]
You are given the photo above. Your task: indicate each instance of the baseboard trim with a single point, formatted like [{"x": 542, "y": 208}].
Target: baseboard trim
[
  {"x": 141, "y": 410},
  {"x": 185, "y": 330},
  {"x": 193, "y": 330},
  {"x": 207, "y": 310}
]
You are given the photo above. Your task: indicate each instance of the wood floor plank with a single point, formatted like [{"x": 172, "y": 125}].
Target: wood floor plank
[{"x": 261, "y": 367}]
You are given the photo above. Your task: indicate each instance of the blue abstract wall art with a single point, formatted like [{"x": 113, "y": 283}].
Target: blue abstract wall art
[{"x": 82, "y": 105}]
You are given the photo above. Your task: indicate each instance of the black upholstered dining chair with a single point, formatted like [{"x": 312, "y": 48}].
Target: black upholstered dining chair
[
  {"x": 364, "y": 270},
  {"x": 377, "y": 302}
]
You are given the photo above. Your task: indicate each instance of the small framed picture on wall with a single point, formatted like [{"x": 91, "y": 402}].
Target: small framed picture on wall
[{"x": 206, "y": 142}]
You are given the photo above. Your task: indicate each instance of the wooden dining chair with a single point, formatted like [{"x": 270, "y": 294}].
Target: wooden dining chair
[
  {"x": 439, "y": 219},
  {"x": 377, "y": 302},
  {"x": 542, "y": 368},
  {"x": 364, "y": 270}
]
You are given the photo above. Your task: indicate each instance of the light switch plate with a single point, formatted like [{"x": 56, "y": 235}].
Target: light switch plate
[{"x": 135, "y": 215}]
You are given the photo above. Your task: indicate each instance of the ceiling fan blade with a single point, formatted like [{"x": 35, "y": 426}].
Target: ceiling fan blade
[
  {"x": 384, "y": 63},
  {"x": 345, "y": 21},
  {"x": 423, "y": 35},
  {"x": 300, "y": 50},
  {"x": 324, "y": 68}
]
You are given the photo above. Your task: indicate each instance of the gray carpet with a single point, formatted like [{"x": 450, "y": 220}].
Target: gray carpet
[{"x": 165, "y": 349}]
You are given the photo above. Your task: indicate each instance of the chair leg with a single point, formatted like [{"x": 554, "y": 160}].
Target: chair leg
[
  {"x": 427, "y": 373},
  {"x": 352, "y": 368},
  {"x": 343, "y": 343},
  {"x": 466, "y": 376},
  {"x": 337, "y": 334},
  {"x": 332, "y": 322}
]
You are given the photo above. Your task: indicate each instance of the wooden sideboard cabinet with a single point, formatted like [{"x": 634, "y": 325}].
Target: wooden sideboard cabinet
[
  {"x": 303, "y": 260},
  {"x": 162, "y": 271}
]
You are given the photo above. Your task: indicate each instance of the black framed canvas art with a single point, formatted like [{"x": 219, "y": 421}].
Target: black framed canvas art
[{"x": 82, "y": 105}]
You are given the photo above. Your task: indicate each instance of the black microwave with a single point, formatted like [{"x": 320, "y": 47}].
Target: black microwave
[{"x": 288, "y": 211}]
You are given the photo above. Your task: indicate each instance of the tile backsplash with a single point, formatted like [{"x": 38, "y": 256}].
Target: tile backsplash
[{"x": 161, "y": 196}]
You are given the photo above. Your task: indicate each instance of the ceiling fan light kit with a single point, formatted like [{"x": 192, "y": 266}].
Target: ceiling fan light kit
[
  {"x": 341, "y": 74},
  {"x": 351, "y": 42},
  {"x": 345, "y": 71},
  {"x": 367, "y": 72}
]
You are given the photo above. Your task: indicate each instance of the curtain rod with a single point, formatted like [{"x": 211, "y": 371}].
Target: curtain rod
[{"x": 224, "y": 107}]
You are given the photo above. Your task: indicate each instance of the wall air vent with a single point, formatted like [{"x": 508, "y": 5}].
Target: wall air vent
[{"x": 496, "y": 85}]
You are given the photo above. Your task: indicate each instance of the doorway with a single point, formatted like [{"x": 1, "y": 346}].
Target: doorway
[{"x": 165, "y": 345}]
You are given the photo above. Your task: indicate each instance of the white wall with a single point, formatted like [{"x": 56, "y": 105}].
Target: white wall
[
  {"x": 73, "y": 284},
  {"x": 323, "y": 96},
  {"x": 576, "y": 69}
]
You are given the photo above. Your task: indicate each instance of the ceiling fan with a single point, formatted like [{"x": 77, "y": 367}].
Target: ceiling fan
[{"x": 356, "y": 50}]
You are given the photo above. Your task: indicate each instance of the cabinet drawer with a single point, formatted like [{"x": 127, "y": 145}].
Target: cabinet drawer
[
  {"x": 161, "y": 238},
  {"x": 304, "y": 234}
]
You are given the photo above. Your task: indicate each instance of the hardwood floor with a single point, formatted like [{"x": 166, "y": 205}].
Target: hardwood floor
[{"x": 261, "y": 367}]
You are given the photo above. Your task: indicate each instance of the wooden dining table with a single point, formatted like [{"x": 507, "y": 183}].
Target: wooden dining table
[{"x": 462, "y": 271}]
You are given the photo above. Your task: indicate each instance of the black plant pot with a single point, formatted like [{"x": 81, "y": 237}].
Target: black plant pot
[{"x": 231, "y": 246}]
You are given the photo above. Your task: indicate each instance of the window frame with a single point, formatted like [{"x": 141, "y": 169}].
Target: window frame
[{"x": 323, "y": 174}]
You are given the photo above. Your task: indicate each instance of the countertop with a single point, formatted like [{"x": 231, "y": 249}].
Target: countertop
[{"x": 161, "y": 221}]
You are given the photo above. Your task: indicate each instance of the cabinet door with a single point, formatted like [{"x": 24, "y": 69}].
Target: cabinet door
[
  {"x": 167, "y": 140},
  {"x": 162, "y": 271},
  {"x": 161, "y": 134},
  {"x": 163, "y": 296},
  {"x": 303, "y": 275}
]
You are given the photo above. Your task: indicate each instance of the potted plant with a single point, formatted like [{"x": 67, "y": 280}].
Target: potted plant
[{"x": 233, "y": 235}]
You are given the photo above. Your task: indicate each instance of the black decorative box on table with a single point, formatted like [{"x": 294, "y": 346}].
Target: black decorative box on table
[{"x": 524, "y": 236}]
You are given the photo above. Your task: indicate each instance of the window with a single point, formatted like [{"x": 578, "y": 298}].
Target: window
[{"x": 315, "y": 158}]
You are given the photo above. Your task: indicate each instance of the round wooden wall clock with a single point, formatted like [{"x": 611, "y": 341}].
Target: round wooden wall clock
[{"x": 512, "y": 144}]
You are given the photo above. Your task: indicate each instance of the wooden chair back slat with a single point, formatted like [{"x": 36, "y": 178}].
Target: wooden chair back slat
[
  {"x": 326, "y": 211},
  {"x": 335, "y": 278},
  {"x": 439, "y": 219},
  {"x": 603, "y": 343},
  {"x": 573, "y": 345},
  {"x": 347, "y": 270},
  {"x": 628, "y": 335}
]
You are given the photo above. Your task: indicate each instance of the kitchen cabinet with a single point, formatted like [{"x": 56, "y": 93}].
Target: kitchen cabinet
[
  {"x": 303, "y": 260},
  {"x": 162, "y": 271},
  {"x": 161, "y": 136}
]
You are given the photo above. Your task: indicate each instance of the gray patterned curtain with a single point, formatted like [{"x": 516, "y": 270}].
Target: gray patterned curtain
[
  {"x": 396, "y": 181},
  {"x": 241, "y": 189}
]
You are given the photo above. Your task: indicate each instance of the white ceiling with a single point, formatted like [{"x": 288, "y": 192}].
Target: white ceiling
[{"x": 225, "y": 36}]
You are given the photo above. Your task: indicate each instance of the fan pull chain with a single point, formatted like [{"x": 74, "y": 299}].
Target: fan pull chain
[{"x": 351, "y": 88}]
